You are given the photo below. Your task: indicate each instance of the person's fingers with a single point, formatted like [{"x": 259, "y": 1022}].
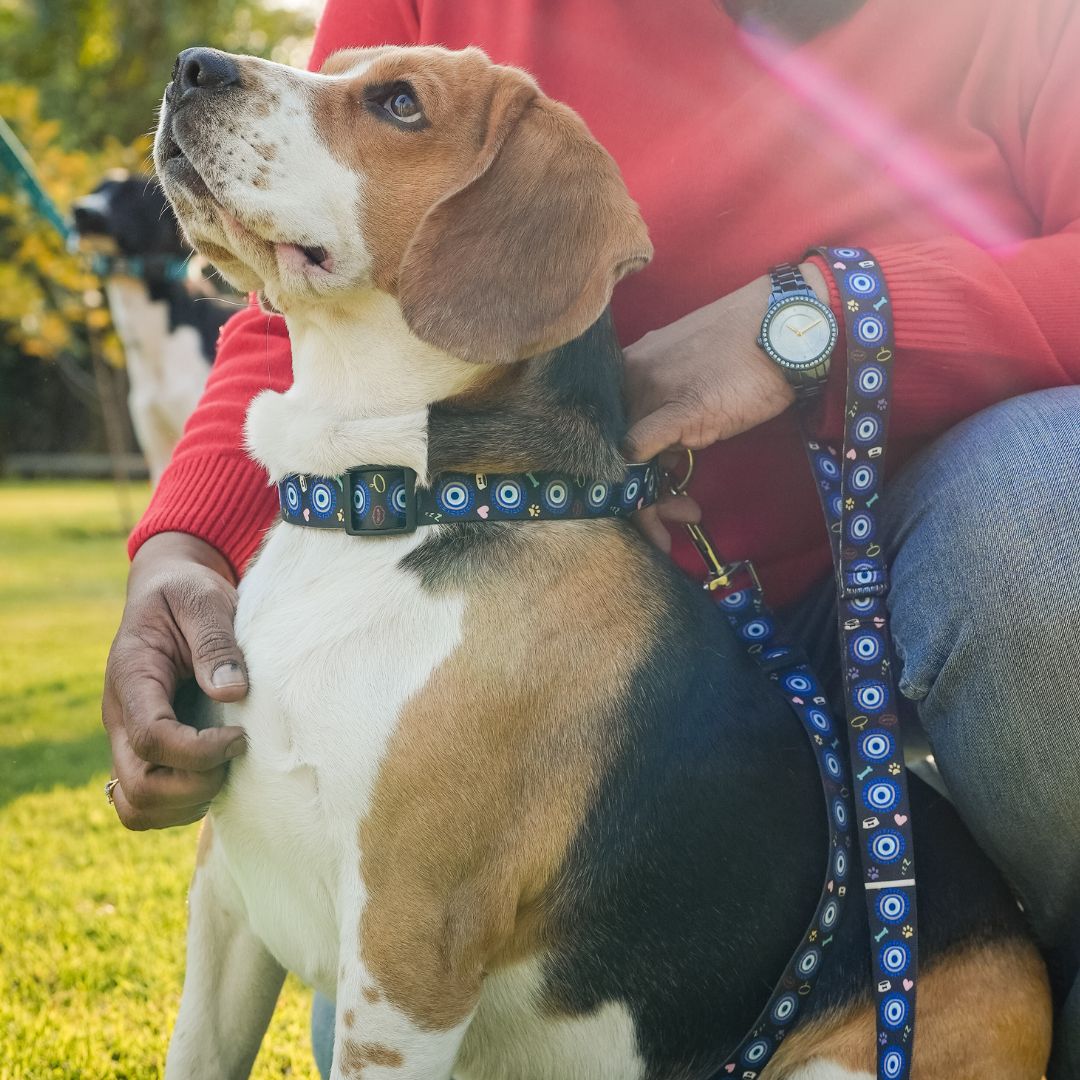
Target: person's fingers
[
  {"x": 150, "y": 787},
  {"x": 205, "y": 618},
  {"x": 156, "y": 736},
  {"x": 678, "y": 510},
  {"x": 140, "y": 820},
  {"x": 650, "y": 526},
  {"x": 654, "y": 433}
]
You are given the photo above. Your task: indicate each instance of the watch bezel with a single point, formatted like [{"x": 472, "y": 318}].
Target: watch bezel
[{"x": 799, "y": 365}]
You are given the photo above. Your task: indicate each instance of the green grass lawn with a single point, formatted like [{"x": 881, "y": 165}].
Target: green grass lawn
[{"x": 91, "y": 916}]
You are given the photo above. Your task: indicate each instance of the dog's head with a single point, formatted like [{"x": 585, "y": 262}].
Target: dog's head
[
  {"x": 127, "y": 215},
  {"x": 449, "y": 182}
]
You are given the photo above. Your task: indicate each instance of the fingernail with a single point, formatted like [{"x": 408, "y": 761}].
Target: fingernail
[
  {"x": 227, "y": 676},
  {"x": 236, "y": 748}
]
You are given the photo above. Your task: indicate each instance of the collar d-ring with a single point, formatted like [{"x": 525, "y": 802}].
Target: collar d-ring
[{"x": 677, "y": 488}]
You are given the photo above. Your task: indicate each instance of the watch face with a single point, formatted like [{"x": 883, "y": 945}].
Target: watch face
[{"x": 799, "y": 333}]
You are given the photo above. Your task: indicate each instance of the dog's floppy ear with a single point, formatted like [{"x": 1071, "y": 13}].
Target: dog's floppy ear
[{"x": 523, "y": 256}]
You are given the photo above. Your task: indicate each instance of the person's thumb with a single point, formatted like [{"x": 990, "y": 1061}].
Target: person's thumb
[
  {"x": 653, "y": 434},
  {"x": 205, "y": 618}
]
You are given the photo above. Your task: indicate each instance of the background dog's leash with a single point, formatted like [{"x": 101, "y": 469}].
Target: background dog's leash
[
  {"x": 849, "y": 486},
  {"x": 374, "y": 500}
]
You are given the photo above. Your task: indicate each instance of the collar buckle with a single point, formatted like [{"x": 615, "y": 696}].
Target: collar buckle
[{"x": 381, "y": 501}]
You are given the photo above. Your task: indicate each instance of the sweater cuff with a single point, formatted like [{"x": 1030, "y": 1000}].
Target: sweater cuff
[{"x": 216, "y": 498}]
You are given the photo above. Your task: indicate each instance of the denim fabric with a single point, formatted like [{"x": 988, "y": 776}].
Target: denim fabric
[{"x": 984, "y": 538}]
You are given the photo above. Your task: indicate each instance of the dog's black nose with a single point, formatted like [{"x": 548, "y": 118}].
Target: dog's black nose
[{"x": 205, "y": 69}]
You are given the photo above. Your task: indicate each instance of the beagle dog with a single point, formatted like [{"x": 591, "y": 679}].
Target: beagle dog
[
  {"x": 167, "y": 322},
  {"x": 498, "y": 802}
]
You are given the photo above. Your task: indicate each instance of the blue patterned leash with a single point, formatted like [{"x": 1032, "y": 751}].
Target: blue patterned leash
[
  {"x": 16, "y": 162},
  {"x": 850, "y": 487}
]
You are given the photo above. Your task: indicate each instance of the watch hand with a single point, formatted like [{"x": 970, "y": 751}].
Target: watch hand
[{"x": 807, "y": 329}]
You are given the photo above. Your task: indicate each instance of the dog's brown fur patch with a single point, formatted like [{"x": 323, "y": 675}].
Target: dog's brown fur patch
[
  {"x": 490, "y": 772},
  {"x": 356, "y": 1056},
  {"x": 983, "y": 1012}
]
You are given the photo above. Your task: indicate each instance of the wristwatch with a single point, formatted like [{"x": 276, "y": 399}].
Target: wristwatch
[{"x": 798, "y": 332}]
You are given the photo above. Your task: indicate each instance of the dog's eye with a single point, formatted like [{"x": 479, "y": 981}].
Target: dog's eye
[{"x": 401, "y": 105}]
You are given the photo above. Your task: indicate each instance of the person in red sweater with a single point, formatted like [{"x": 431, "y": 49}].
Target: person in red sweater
[{"x": 945, "y": 138}]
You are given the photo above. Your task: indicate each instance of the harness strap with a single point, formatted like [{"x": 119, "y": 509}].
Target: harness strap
[
  {"x": 384, "y": 500},
  {"x": 849, "y": 486}
]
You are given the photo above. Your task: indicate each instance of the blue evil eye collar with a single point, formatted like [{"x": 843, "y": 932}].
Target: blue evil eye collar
[{"x": 382, "y": 500}]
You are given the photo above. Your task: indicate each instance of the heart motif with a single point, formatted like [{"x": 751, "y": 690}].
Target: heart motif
[
  {"x": 839, "y": 266},
  {"x": 798, "y": 701},
  {"x": 307, "y": 514},
  {"x": 908, "y": 984},
  {"x": 900, "y": 819},
  {"x": 729, "y": 1068},
  {"x": 851, "y": 455},
  {"x": 482, "y": 512},
  {"x": 829, "y": 886}
]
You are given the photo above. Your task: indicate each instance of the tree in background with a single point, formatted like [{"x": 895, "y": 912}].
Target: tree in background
[{"x": 80, "y": 82}]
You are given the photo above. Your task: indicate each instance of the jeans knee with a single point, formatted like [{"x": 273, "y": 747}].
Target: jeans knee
[{"x": 985, "y": 538}]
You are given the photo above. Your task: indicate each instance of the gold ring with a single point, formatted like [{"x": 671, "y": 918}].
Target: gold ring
[
  {"x": 109, "y": 790},
  {"x": 681, "y": 486}
]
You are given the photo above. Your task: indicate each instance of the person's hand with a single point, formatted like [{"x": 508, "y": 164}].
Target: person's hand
[
  {"x": 699, "y": 380},
  {"x": 178, "y": 621}
]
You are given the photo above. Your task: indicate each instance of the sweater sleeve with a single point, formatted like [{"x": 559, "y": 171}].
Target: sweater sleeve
[
  {"x": 211, "y": 488},
  {"x": 975, "y": 326}
]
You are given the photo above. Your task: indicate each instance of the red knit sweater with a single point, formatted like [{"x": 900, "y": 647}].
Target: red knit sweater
[{"x": 941, "y": 121}]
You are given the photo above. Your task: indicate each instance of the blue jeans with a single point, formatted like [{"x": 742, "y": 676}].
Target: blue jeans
[{"x": 984, "y": 538}]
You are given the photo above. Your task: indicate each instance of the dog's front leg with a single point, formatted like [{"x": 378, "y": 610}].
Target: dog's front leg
[{"x": 231, "y": 984}]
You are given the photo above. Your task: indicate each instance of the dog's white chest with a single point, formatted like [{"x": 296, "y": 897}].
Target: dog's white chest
[{"x": 337, "y": 638}]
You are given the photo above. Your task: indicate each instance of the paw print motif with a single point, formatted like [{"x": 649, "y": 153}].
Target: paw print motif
[
  {"x": 882, "y": 1038},
  {"x": 894, "y": 768},
  {"x": 534, "y": 510},
  {"x": 849, "y": 503},
  {"x": 853, "y": 305},
  {"x": 873, "y": 873},
  {"x": 813, "y": 935},
  {"x": 882, "y": 404},
  {"x": 907, "y": 930}
]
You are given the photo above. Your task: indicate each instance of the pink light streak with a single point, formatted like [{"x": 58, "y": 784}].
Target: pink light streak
[{"x": 911, "y": 166}]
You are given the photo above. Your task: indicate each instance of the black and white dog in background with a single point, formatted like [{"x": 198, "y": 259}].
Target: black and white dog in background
[{"x": 165, "y": 311}]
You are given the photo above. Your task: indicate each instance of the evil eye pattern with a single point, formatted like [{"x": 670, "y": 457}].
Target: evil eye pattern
[
  {"x": 598, "y": 495},
  {"x": 847, "y": 253},
  {"x": 757, "y": 629},
  {"x": 808, "y": 962},
  {"x": 871, "y": 379},
  {"x": 361, "y": 499},
  {"x": 835, "y": 770},
  {"x": 864, "y": 605},
  {"x": 866, "y": 648},
  {"x": 798, "y": 683},
  {"x": 784, "y": 1008},
  {"x": 454, "y": 497},
  {"x": 840, "y": 865},
  {"x": 556, "y": 496},
  {"x": 631, "y": 492},
  {"x": 397, "y": 499},
  {"x": 892, "y": 907},
  {"x": 871, "y": 697},
  {"x": 867, "y": 428},
  {"x": 863, "y": 478},
  {"x": 836, "y": 507},
  {"x": 860, "y": 528},
  {"x": 894, "y": 1011},
  {"x": 870, "y": 330},
  {"x": 509, "y": 496},
  {"x": 292, "y": 496},
  {"x": 827, "y": 467},
  {"x": 323, "y": 497},
  {"x": 830, "y": 915},
  {"x": 736, "y": 601},
  {"x": 756, "y": 1052},
  {"x": 862, "y": 284},
  {"x": 892, "y": 1063},
  {"x": 839, "y": 810},
  {"x": 881, "y": 795},
  {"x": 886, "y": 846},
  {"x": 820, "y": 720},
  {"x": 895, "y": 958},
  {"x": 876, "y": 745}
]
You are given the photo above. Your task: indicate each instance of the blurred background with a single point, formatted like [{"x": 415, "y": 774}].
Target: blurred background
[{"x": 92, "y": 926}]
